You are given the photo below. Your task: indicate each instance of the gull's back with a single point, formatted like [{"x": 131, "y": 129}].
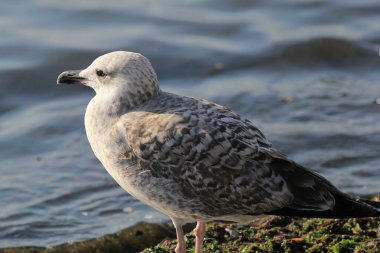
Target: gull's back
[{"x": 208, "y": 150}]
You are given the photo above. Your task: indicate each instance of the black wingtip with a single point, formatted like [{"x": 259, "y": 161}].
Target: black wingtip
[
  {"x": 345, "y": 207},
  {"x": 372, "y": 203},
  {"x": 316, "y": 197}
]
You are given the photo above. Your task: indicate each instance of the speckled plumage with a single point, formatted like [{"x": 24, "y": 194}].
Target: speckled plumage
[{"x": 189, "y": 158}]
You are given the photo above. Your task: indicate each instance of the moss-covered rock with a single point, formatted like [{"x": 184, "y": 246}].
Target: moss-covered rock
[{"x": 282, "y": 234}]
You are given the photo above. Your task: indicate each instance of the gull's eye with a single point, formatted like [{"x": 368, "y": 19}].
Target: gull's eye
[{"x": 100, "y": 73}]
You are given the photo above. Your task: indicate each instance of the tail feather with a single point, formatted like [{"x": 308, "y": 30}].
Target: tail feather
[
  {"x": 345, "y": 207},
  {"x": 316, "y": 197}
]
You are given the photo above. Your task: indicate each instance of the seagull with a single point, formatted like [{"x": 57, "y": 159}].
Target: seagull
[{"x": 194, "y": 160}]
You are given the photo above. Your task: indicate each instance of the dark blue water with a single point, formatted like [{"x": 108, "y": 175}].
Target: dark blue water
[{"x": 306, "y": 72}]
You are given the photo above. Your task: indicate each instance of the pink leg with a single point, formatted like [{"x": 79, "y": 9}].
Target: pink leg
[
  {"x": 181, "y": 245},
  {"x": 199, "y": 232}
]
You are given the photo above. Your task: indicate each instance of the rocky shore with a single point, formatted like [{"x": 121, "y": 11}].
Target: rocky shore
[
  {"x": 282, "y": 234},
  {"x": 271, "y": 234}
]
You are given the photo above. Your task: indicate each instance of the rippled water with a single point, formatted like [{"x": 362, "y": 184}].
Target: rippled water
[{"x": 306, "y": 72}]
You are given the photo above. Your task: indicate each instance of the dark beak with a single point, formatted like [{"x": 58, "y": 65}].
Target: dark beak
[{"x": 71, "y": 77}]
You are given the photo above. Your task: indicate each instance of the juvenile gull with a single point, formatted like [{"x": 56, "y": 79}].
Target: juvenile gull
[{"x": 192, "y": 159}]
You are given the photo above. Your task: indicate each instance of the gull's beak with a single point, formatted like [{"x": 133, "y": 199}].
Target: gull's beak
[{"x": 71, "y": 77}]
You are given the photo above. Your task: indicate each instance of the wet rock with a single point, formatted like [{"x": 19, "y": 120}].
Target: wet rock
[{"x": 132, "y": 240}]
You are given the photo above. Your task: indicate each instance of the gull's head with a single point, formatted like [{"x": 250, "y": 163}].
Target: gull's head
[{"x": 118, "y": 72}]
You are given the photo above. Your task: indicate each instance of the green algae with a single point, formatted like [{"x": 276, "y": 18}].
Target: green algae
[
  {"x": 344, "y": 246},
  {"x": 288, "y": 235}
]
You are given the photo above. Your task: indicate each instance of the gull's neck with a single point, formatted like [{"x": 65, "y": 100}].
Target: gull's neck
[{"x": 116, "y": 102}]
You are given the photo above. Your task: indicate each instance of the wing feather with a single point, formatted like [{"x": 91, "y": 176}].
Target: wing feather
[{"x": 209, "y": 151}]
